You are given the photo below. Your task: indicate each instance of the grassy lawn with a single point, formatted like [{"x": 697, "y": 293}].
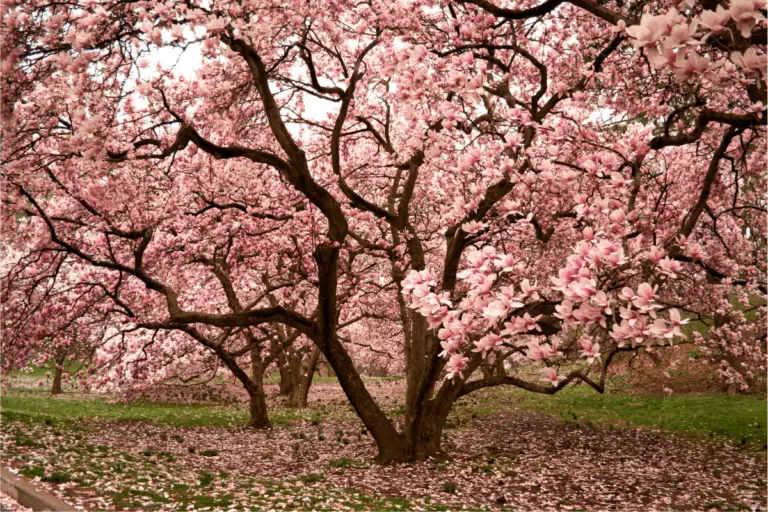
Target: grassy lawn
[
  {"x": 39, "y": 406},
  {"x": 738, "y": 418},
  {"x": 43, "y": 438}
]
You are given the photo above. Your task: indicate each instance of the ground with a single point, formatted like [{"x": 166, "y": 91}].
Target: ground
[{"x": 509, "y": 450}]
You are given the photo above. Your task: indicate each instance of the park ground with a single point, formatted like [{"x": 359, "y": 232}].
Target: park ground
[{"x": 509, "y": 450}]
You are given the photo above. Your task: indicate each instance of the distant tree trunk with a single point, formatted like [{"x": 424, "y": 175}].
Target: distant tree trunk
[
  {"x": 257, "y": 399},
  {"x": 286, "y": 382},
  {"x": 57, "y": 373},
  {"x": 300, "y": 392}
]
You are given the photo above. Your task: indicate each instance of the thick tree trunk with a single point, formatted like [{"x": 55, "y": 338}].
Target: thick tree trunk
[
  {"x": 416, "y": 366},
  {"x": 257, "y": 405},
  {"x": 391, "y": 445},
  {"x": 425, "y": 437},
  {"x": 57, "y": 374},
  {"x": 300, "y": 392}
]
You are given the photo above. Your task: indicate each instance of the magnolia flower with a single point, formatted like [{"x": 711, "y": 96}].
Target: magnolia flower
[
  {"x": 715, "y": 21},
  {"x": 535, "y": 352},
  {"x": 645, "y": 296},
  {"x": 695, "y": 251},
  {"x": 550, "y": 375},
  {"x": 528, "y": 290},
  {"x": 617, "y": 216},
  {"x": 649, "y": 31},
  {"x": 629, "y": 314},
  {"x": 513, "y": 139},
  {"x": 565, "y": 311},
  {"x": 676, "y": 322},
  {"x": 473, "y": 227},
  {"x": 587, "y": 315},
  {"x": 668, "y": 267},
  {"x": 750, "y": 61},
  {"x": 681, "y": 34},
  {"x": 589, "y": 350},
  {"x": 659, "y": 329},
  {"x": 666, "y": 55},
  {"x": 621, "y": 332},
  {"x": 435, "y": 319},
  {"x": 456, "y": 364},
  {"x": 692, "y": 66},
  {"x": 583, "y": 288},
  {"x": 450, "y": 346},
  {"x": 600, "y": 299},
  {"x": 529, "y": 323},
  {"x": 745, "y": 14},
  {"x": 495, "y": 310},
  {"x": 620, "y": 27},
  {"x": 483, "y": 286},
  {"x": 506, "y": 263},
  {"x": 487, "y": 344}
]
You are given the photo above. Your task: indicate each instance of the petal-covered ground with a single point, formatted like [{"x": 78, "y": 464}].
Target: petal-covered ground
[{"x": 516, "y": 460}]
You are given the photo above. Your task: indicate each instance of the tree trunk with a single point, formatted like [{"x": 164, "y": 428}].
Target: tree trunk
[
  {"x": 416, "y": 366},
  {"x": 257, "y": 408},
  {"x": 57, "y": 374},
  {"x": 286, "y": 383},
  {"x": 391, "y": 445},
  {"x": 257, "y": 400},
  {"x": 300, "y": 392}
]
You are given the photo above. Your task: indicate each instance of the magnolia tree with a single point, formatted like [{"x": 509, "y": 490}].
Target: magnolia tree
[{"x": 496, "y": 181}]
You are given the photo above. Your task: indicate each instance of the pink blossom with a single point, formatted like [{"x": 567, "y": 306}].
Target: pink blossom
[
  {"x": 746, "y": 15},
  {"x": 655, "y": 254},
  {"x": 583, "y": 288},
  {"x": 590, "y": 351},
  {"x": 715, "y": 21},
  {"x": 565, "y": 311},
  {"x": 750, "y": 61},
  {"x": 455, "y": 366},
  {"x": 550, "y": 375},
  {"x": 528, "y": 290},
  {"x": 669, "y": 267},
  {"x": 649, "y": 32},
  {"x": 645, "y": 297},
  {"x": 488, "y": 343}
]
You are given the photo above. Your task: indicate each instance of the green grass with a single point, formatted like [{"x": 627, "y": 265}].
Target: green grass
[
  {"x": 346, "y": 463},
  {"x": 311, "y": 478},
  {"x": 35, "y": 405},
  {"x": 38, "y": 372},
  {"x": 739, "y": 418},
  {"x": 41, "y": 407}
]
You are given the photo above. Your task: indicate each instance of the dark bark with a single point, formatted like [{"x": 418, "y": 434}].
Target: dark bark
[
  {"x": 390, "y": 444},
  {"x": 56, "y": 389},
  {"x": 287, "y": 383},
  {"x": 301, "y": 391},
  {"x": 257, "y": 405}
]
